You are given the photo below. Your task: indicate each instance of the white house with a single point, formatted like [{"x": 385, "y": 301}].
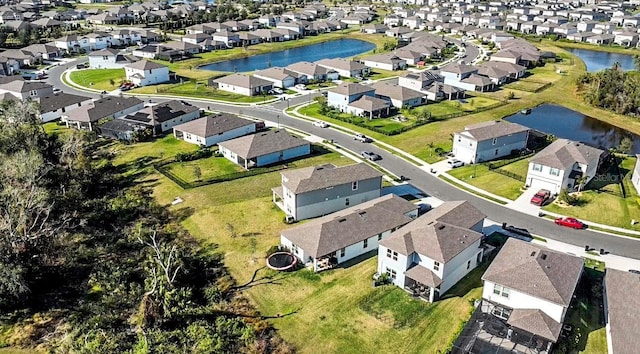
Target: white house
[
  {"x": 489, "y": 140},
  {"x": 53, "y": 106},
  {"x": 211, "y": 130},
  {"x": 621, "y": 311},
  {"x": 279, "y": 76},
  {"x": 109, "y": 58},
  {"x": 144, "y": 73},
  {"x": 264, "y": 148},
  {"x": 385, "y": 61},
  {"x": 110, "y": 107},
  {"x": 635, "y": 176},
  {"x": 431, "y": 254},
  {"x": 562, "y": 164},
  {"x": 342, "y": 95},
  {"x": 338, "y": 237},
  {"x": 242, "y": 84},
  {"x": 320, "y": 190},
  {"x": 530, "y": 287}
]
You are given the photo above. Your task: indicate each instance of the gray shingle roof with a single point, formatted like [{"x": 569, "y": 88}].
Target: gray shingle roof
[
  {"x": 370, "y": 104},
  {"x": 102, "y": 108},
  {"x": 395, "y": 91},
  {"x": 535, "y": 321},
  {"x": 563, "y": 154},
  {"x": 330, "y": 233},
  {"x": 263, "y": 143},
  {"x": 349, "y": 89},
  {"x": 54, "y": 102},
  {"x": 341, "y": 64},
  {"x": 145, "y": 65},
  {"x": 320, "y": 177},
  {"x": 246, "y": 81},
  {"x": 623, "y": 306},
  {"x": 493, "y": 129},
  {"x": 213, "y": 125},
  {"x": 536, "y": 270},
  {"x": 423, "y": 275}
]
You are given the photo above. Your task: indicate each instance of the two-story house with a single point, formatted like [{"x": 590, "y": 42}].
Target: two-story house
[
  {"x": 563, "y": 164},
  {"x": 109, "y": 58},
  {"x": 345, "y": 67},
  {"x": 144, "y": 73},
  {"x": 489, "y": 140},
  {"x": 338, "y": 237},
  {"x": 341, "y": 96},
  {"x": 529, "y": 289},
  {"x": 87, "y": 116},
  {"x": 26, "y": 89},
  {"x": 320, "y": 190},
  {"x": 432, "y": 253}
]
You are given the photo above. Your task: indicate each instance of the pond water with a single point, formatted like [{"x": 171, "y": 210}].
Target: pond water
[
  {"x": 341, "y": 48},
  {"x": 569, "y": 124},
  {"x": 597, "y": 61}
]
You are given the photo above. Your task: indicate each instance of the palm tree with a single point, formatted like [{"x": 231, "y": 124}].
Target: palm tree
[{"x": 581, "y": 181}]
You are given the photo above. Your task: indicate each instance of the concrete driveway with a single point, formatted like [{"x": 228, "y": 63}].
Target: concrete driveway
[{"x": 523, "y": 203}]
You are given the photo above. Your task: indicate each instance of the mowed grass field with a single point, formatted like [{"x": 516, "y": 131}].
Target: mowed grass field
[
  {"x": 337, "y": 311},
  {"x": 98, "y": 79}
]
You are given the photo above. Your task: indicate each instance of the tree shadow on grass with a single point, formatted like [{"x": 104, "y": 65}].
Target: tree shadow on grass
[{"x": 264, "y": 280}]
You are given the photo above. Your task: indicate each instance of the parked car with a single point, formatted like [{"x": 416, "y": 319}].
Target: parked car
[
  {"x": 541, "y": 197},
  {"x": 82, "y": 66},
  {"x": 372, "y": 156},
  {"x": 321, "y": 124},
  {"x": 362, "y": 138},
  {"x": 56, "y": 90},
  {"x": 300, "y": 87},
  {"x": 455, "y": 163},
  {"x": 423, "y": 208},
  {"x": 570, "y": 222}
]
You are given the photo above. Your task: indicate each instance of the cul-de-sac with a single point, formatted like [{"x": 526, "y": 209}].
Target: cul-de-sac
[{"x": 306, "y": 176}]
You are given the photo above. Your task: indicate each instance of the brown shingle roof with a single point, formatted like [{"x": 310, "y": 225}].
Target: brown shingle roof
[
  {"x": 259, "y": 144},
  {"x": 493, "y": 129},
  {"x": 320, "y": 177},
  {"x": 623, "y": 306},
  {"x": 330, "y": 233},
  {"x": 563, "y": 153},
  {"x": 423, "y": 276},
  {"x": 213, "y": 125},
  {"x": 536, "y": 270},
  {"x": 535, "y": 321}
]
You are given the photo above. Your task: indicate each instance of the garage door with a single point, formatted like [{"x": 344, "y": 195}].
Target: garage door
[{"x": 542, "y": 184}]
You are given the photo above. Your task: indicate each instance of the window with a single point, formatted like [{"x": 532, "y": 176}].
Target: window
[
  {"x": 346, "y": 202},
  {"x": 478, "y": 258},
  {"x": 342, "y": 252},
  {"x": 33, "y": 93},
  {"x": 501, "y": 312},
  {"x": 468, "y": 264},
  {"x": 379, "y": 237},
  {"x": 392, "y": 254},
  {"x": 365, "y": 243},
  {"x": 459, "y": 139},
  {"x": 495, "y": 141},
  {"x": 554, "y": 172},
  {"x": 436, "y": 265},
  {"x": 354, "y": 185},
  {"x": 294, "y": 248},
  {"x": 392, "y": 273},
  {"x": 537, "y": 167},
  {"x": 501, "y": 290},
  {"x": 188, "y": 136}
]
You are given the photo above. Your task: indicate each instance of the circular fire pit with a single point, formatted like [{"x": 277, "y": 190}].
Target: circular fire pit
[{"x": 282, "y": 261}]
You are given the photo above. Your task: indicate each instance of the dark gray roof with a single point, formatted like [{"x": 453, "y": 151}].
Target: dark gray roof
[
  {"x": 314, "y": 178},
  {"x": 330, "y": 233},
  {"x": 102, "y": 108},
  {"x": 536, "y": 271},
  {"x": 535, "y": 321},
  {"x": 56, "y": 101},
  {"x": 622, "y": 290},
  {"x": 493, "y": 129},
  {"x": 162, "y": 112},
  {"x": 263, "y": 143},
  {"x": 214, "y": 125},
  {"x": 563, "y": 154}
]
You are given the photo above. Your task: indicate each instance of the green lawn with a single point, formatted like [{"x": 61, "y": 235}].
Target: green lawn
[
  {"x": 101, "y": 78},
  {"x": 480, "y": 176},
  {"x": 199, "y": 89},
  {"x": 601, "y": 202},
  {"x": 385, "y": 124},
  {"x": 525, "y": 85},
  {"x": 446, "y": 107},
  {"x": 210, "y": 167}
]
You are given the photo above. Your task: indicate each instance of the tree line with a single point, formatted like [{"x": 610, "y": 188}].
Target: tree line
[
  {"x": 613, "y": 89},
  {"x": 89, "y": 262}
]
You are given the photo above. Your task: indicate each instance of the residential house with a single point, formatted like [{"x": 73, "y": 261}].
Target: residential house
[
  {"x": 313, "y": 71},
  {"x": 264, "y": 148},
  {"x": 635, "y": 175},
  {"x": 110, "y": 107},
  {"x": 370, "y": 107},
  {"x": 601, "y": 39},
  {"x": 53, "y": 106},
  {"x": 280, "y": 77},
  {"x": 73, "y": 43},
  {"x": 345, "y": 67},
  {"x": 563, "y": 164},
  {"x": 398, "y": 96},
  {"x": 385, "y": 61},
  {"x": 320, "y": 190},
  {"x": 109, "y": 58},
  {"x": 428, "y": 256},
  {"x": 373, "y": 28},
  {"x": 183, "y": 48},
  {"x": 163, "y": 116},
  {"x": 242, "y": 84},
  {"x": 489, "y": 140},
  {"x": 145, "y": 73},
  {"x": 342, "y": 96},
  {"x": 341, "y": 236},
  {"x": 26, "y": 89},
  {"x": 530, "y": 287},
  {"x": 210, "y": 130},
  {"x": 621, "y": 310}
]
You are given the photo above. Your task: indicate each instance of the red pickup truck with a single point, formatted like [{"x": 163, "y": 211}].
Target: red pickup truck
[{"x": 541, "y": 197}]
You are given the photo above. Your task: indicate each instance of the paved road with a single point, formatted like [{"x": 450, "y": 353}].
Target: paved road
[
  {"x": 471, "y": 50},
  {"x": 421, "y": 179}
]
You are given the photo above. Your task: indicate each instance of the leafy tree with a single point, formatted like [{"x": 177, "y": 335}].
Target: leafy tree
[
  {"x": 625, "y": 145},
  {"x": 565, "y": 197}
]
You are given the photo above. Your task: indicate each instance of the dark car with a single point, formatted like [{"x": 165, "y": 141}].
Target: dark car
[
  {"x": 372, "y": 156},
  {"x": 570, "y": 222},
  {"x": 362, "y": 138},
  {"x": 541, "y": 197}
]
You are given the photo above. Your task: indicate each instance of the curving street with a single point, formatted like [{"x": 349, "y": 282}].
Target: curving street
[{"x": 418, "y": 177}]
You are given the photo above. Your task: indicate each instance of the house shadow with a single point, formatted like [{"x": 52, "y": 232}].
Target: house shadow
[{"x": 361, "y": 258}]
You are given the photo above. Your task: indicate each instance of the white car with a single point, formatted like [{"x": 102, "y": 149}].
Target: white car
[
  {"x": 320, "y": 124},
  {"x": 300, "y": 87},
  {"x": 455, "y": 163}
]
